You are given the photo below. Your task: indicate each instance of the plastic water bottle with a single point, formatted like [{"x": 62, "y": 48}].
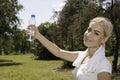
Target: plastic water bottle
[{"x": 30, "y": 34}]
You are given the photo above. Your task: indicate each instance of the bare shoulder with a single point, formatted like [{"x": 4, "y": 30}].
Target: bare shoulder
[{"x": 104, "y": 76}]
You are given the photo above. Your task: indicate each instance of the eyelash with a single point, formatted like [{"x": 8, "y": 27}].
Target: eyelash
[
  {"x": 89, "y": 30},
  {"x": 96, "y": 33}
]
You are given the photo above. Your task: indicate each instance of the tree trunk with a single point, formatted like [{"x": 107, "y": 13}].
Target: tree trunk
[
  {"x": 116, "y": 47},
  {"x": 115, "y": 61}
]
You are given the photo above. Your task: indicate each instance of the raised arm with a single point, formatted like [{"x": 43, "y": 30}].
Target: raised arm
[{"x": 54, "y": 49}]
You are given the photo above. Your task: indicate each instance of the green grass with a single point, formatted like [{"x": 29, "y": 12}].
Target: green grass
[{"x": 24, "y": 67}]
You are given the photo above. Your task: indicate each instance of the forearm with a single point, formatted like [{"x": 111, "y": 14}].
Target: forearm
[{"x": 54, "y": 49}]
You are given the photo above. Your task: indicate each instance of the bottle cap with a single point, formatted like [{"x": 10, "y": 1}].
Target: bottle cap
[{"x": 32, "y": 15}]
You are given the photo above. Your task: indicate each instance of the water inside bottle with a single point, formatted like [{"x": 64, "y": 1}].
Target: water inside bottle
[{"x": 30, "y": 34}]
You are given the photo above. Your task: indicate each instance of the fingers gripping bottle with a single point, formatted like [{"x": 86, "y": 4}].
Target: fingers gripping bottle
[{"x": 30, "y": 31}]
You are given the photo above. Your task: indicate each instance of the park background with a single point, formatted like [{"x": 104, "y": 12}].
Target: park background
[{"x": 24, "y": 60}]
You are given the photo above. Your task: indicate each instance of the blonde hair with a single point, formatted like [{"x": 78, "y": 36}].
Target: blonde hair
[{"x": 106, "y": 23}]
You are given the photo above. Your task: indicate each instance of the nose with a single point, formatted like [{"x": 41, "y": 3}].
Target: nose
[{"x": 89, "y": 34}]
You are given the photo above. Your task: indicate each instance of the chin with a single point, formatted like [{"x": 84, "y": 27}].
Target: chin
[
  {"x": 87, "y": 44},
  {"x": 90, "y": 45}
]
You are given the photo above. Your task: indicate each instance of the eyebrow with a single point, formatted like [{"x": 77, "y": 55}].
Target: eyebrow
[
  {"x": 95, "y": 30},
  {"x": 98, "y": 31}
]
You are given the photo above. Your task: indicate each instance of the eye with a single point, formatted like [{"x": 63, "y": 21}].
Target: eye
[{"x": 96, "y": 33}]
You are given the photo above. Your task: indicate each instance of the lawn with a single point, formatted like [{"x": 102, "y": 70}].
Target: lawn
[{"x": 24, "y": 67}]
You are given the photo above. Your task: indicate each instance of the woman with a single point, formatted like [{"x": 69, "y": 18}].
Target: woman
[{"x": 90, "y": 64}]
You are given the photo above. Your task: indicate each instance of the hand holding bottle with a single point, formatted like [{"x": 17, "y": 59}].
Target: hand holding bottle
[
  {"x": 30, "y": 30},
  {"x": 35, "y": 29}
]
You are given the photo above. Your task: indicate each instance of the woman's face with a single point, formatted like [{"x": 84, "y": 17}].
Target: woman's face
[{"x": 94, "y": 36}]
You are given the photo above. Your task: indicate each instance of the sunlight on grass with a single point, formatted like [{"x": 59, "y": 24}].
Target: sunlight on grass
[{"x": 23, "y": 67}]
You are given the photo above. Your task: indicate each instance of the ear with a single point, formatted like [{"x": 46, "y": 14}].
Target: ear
[{"x": 104, "y": 40}]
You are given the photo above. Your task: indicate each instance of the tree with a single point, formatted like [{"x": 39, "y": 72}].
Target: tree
[
  {"x": 8, "y": 14},
  {"x": 19, "y": 39},
  {"x": 7, "y": 43},
  {"x": 111, "y": 10},
  {"x": 115, "y": 17},
  {"x": 51, "y": 32},
  {"x": 74, "y": 20},
  {"x": 8, "y": 18}
]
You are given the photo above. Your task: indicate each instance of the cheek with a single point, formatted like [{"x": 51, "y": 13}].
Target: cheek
[{"x": 99, "y": 40}]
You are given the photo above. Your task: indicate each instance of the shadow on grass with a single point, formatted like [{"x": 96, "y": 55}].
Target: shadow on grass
[
  {"x": 1, "y": 60},
  {"x": 9, "y": 63}
]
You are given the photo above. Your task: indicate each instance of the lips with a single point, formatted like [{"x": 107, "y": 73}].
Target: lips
[{"x": 87, "y": 39}]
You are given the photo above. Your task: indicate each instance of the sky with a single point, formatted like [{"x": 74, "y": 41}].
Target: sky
[{"x": 43, "y": 9}]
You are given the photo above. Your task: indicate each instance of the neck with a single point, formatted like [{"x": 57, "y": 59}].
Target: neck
[{"x": 91, "y": 51}]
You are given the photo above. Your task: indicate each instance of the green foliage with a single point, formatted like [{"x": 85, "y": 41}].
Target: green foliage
[
  {"x": 113, "y": 13},
  {"x": 73, "y": 21},
  {"x": 67, "y": 64},
  {"x": 20, "y": 43},
  {"x": 7, "y": 44},
  {"x": 67, "y": 33},
  {"x": 75, "y": 17},
  {"x": 8, "y": 20},
  {"x": 51, "y": 32},
  {"x": 8, "y": 15}
]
